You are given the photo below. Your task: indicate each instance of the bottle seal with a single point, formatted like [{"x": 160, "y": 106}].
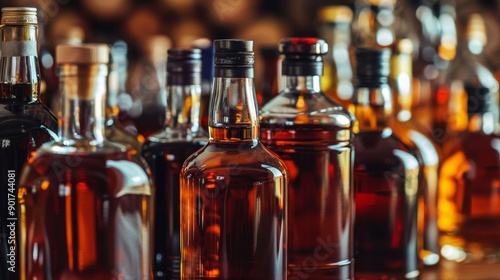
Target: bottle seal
[
  {"x": 19, "y": 16},
  {"x": 233, "y": 58}
]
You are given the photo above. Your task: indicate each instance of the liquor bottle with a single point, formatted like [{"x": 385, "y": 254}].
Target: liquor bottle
[
  {"x": 312, "y": 134},
  {"x": 233, "y": 190},
  {"x": 373, "y": 24},
  {"x": 25, "y": 123},
  {"x": 385, "y": 178},
  {"x": 418, "y": 138},
  {"x": 166, "y": 151},
  {"x": 117, "y": 77},
  {"x": 335, "y": 28},
  {"x": 86, "y": 203},
  {"x": 269, "y": 81},
  {"x": 469, "y": 212},
  {"x": 467, "y": 70}
]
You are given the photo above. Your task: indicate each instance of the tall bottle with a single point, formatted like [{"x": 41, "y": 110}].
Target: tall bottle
[
  {"x": 313, "y": 135},
  {"x": 86, "y": 203},
  {"x": 469, "y": 200},
  {"x": 233, "y": 190},
  {"x": 25, "y": 123},
  {"x": 166, "y": 151},
  {"x": 117, "y": 78},
  {"x": 385, "y": 178},
  {"x": 269, "y": 82},
  {"x": 335, "y": 28}
]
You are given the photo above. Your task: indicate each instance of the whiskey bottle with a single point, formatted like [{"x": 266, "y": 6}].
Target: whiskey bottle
[
  {"x": 269, "y": 81},
  {"x": 86, "y": 203},
  {"x": 313, "y": 135},
  {"x": 166, "y": 151},
  {"x": 233, "y": 190},
  {"x": 25, "y": 123},
  {"x": 335, "y": 28},
  {"x": 117, "y": 77},
  {"x": 385, "y": 178},
  {"x": 469, "y": 212}
]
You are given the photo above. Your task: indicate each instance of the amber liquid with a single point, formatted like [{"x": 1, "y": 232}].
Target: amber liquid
[
  {"x": 233, "y": 207},
  {"x": 86, "y": 216},
  {"x": 320, "y": 199},
  {"x": 469, "y": 199},
  {"x": 386, "y": 186},
  {"x": 23, "y": 128},
  {"x": 165, "y": 160}
]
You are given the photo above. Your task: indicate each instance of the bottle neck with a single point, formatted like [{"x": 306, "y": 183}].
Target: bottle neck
[
  {"x": 372, "y": 107},
  {"x": 83, "y": 91},
  {"x": 182, "y": 120},
  {"x": 19, "y": 69},
  {"x": 303, "y": 83},
  {"x": 233, "y": 114}
]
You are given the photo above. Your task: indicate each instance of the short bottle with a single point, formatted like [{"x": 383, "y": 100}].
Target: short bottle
[
  {"x": 313, "y": 135},
  {"x": 233, "y": 190},
  {"x": 25, "y": 123},
  {"x": 385, "y": 178},
  {"x": 166, "y": 151},
  {"x": 86, "y": 203}
]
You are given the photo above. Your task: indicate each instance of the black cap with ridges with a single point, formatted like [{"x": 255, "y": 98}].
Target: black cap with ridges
[
  {"x": 184, "y": 67},
  {"x": 233, "y": 58},
  {"x": 372, "y": 66},
  {"x": 303, "y": 56}
]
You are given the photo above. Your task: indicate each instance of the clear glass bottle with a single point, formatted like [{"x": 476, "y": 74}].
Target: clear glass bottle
[
  {"x": 385, "y": 178},
  {"x": 233, "y": 190},
  {"x": 312, "y": 134},
  {"x": 86, "y": 203},
  {"x": 419, "y": 139},
  {"x": 166, "y": 151},
  {"x": 335, "y": 28},
  {"x": 469, "y": 199},
  {"x": 117, "y": 77},
  {"x": 25, "y": 123}
]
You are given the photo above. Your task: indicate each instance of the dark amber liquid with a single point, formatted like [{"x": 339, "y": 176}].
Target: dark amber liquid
[
  {"x": 233, "y": 207},
  {"x": 386, "y": 186},
  {"x": 165, "y": 160},
  {"x": 320, "y": 199},
  {"x": 23, "y": 128},
  {"x": 87, "y": 216}
]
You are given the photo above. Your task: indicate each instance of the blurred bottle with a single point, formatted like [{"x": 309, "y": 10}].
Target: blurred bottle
[
  {"x": 117, "y": 78},
  {"x": 467, "y": 70},
  {"x": 469, "y": 200},
  {"x": 373, "y": 23},
  {"x": 233, "y": 190},
  {"x": 207, "y": 76},
  {"x": 385, "y": 179},
  {"x": 269, "y": 81},
  {"x": 312, "y": 134},
  {"x": 86, "y": 203},
  {"x": 25, "y": 123},
  {"x": 419, "y": 139},
  {"x": 143, "y": 111},
  {"x": 335, "y": 28},
  {"x": 166, "y": 151}
]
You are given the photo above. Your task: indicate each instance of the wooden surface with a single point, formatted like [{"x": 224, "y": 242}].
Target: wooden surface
[{"x": 470, "y": 271}]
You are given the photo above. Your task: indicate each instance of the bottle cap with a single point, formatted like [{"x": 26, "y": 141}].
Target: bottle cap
[
  {"x": 19, "y": 15},
  {"x": 335, "y": 14},
  {"x": 372, "y": 66},
  {"x": 82, "y": 54},
  {"x": 233, "y": 58},
  {"x": 303, "y": 56},
  {"x": 184, "y": 66},
  {"x": 479, "y": 99}
]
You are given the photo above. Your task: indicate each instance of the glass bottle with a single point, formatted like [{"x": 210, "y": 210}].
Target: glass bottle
[
  {"x": 86, "y": 203},
  {"x": 418, "y": 138},
  {"x": 166, "y": 151},
  {"x": 385, "y": 178},
  {"x": 312, "y": 134},
  {"x": 117, "y": 77},
  {"x": 233, "y": 190},
  {"x": 469, "y": 199},
  {"x": 335, "y": 28},
  {"x": 373, "y": 23},
  {"x": 269, "y": 81},
  {"x": 25, "y": 123}
]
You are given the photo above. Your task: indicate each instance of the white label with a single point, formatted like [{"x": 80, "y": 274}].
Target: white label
[{"x": 18, "y": 48}]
